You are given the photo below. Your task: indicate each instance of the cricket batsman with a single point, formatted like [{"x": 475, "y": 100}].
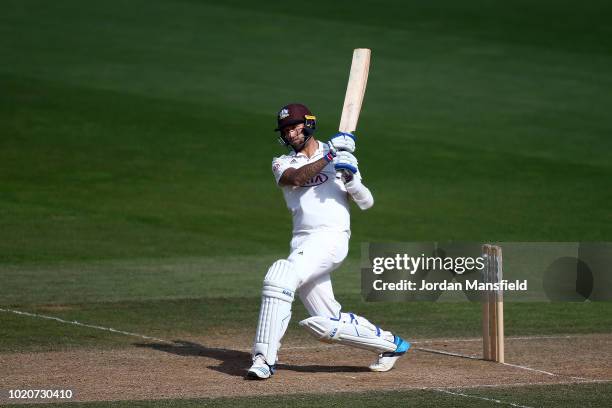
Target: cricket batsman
[{"x": 318, "y": 199}]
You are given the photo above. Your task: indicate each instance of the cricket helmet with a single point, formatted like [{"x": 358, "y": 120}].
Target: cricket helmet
[{"x": 293, "y": 114}]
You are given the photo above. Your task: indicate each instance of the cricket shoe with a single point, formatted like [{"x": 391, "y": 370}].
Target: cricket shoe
[
  {"x": 260, "y": 370},
  {"x": 387, "y": 360}
]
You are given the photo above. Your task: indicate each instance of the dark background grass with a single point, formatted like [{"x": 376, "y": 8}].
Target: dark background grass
[{"x": 144, "y": 129}]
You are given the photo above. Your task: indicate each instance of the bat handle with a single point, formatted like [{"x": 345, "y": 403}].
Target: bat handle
[{"x": 344, "y": 175}]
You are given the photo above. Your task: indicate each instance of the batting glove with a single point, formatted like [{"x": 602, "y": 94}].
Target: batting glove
[
  {"x": 346, "y": 162},
  {"x": 331, "y": 152},
  {"x": 343, "y": 141}
]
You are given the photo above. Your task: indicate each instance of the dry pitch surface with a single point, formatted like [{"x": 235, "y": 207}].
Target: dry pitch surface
[{"x": 214, "y": 367}]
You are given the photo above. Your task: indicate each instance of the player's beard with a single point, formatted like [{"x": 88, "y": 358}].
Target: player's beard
[{"x": 299, "y": 144}]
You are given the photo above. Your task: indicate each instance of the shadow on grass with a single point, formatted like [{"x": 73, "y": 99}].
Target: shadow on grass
[{"x": 236, "y": 362}]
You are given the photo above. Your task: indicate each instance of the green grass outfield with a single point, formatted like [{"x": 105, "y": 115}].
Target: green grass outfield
[
  {"x": 136, "y": 142},
  {"x": 199, "y": 297}
]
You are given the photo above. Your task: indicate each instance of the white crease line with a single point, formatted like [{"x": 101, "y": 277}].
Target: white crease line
[
  {"x": 455, "y": 340},
  {"x": 547, "y": 372},
  {"x": 479, "y": 339},
  {"x": 533, "y": 369},
  {"x": 460, "y": 394},
  {"x": 478, "y": 386},
  {"x": 142, "y": 336},
  {"x": 447, "y": 353},
  {"x": 544, "y": 337},
  {"x": 91, "y": 326},
  {"x": 429, "y": 341},
  {"x": 518, "y": 384},
  {"x": 110, "y": 329}
]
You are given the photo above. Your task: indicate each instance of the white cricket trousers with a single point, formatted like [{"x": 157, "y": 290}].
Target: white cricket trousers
[{"x": 314, "y": 256}]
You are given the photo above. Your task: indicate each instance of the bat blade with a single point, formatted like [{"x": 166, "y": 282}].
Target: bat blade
[{"x": 355, "y": 90}]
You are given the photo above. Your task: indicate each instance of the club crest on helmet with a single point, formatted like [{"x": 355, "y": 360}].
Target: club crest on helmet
[
  {"x": 283, "y": 113},
  {"x": 293, "y": 114}
]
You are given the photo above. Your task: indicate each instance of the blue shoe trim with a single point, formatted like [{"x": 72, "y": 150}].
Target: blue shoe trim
[
  {"x": 271, "y": 368},
  {"x": 402, "y": 347},
  {"x": 267, "y": 372}
]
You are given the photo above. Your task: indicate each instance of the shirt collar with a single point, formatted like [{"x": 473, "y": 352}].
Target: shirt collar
[{"x": 319, "y": 150}]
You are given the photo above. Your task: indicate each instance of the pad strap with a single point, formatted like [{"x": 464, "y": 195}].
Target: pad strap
[{"x": 351, "y": 330}]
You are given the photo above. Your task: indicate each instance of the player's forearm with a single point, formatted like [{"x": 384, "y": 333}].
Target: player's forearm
[
  {"x": 299, "y": 177},
  {"x": 360, "y": 193}
]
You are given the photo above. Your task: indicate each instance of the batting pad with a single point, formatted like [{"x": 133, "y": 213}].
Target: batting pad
[
  {"x": 351, "y": 330},
  {"x": 276, "y": 299}
]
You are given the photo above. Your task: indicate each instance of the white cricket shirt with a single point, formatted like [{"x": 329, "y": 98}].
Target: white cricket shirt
[{"x": 322, "y": 203}]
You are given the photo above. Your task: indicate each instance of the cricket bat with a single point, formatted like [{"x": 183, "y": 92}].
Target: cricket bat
[{"x": 355, "y": 90}]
